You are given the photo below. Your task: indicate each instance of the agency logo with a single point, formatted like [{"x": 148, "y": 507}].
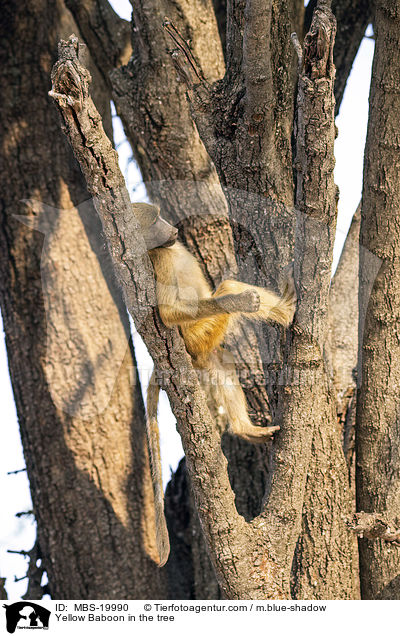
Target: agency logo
[{"x": 26, "y": 615}]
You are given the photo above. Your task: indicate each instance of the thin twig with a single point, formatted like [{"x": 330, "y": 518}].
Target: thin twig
[{"x": 183, "y": 57}]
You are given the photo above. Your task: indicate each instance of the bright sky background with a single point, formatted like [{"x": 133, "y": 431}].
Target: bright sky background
[{"x": 19, "y": 533}]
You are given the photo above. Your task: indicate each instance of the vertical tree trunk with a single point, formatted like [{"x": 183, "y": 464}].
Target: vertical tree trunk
[
  {"x": 378, "y": 416},
  {"x": 67, "y": 333}
]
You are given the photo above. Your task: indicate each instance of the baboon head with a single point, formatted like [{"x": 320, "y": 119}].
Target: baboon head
[{"x": 157, "y": 232}]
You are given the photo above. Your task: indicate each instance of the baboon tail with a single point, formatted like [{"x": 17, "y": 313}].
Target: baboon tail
[
  {"x": 275, "y": 308},
  {"x": 153, "y": 438}
]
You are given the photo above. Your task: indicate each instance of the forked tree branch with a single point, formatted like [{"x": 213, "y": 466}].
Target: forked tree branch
[
  {"x": 180, "y": 177},
  {"x": 316, "y": 202},
  {"x": 99, "y": 163},
  {"x": 235, "y": 546},
  {"x": 245, "y": 120},
  {"x": 265, "y": 546}
]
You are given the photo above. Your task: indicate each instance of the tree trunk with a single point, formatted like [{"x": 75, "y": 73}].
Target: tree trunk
[
  {"x": 67, "y": 333},
  {"x": 378, "y": 416}
]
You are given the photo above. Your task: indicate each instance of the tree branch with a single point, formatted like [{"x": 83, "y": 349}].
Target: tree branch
[
  {"x": 107, "y": 36},
  {"x": 306, "y": 413},
  {"x": 352, "y": 20},
  {"x": 307, "y": 405},
  {"x": 257, "y": 69},
  {"x": 375, "y": 526},
  {"x": 316, "y": 191},
  {"x": 229, "y": 537},
  {"x": 180, "y": 177},
  {"x": 300, "y": 401},
  {"x": 303, "y": 403},
  {"x": 316, "y": 195},
  {"x": 245, "y": 121}
]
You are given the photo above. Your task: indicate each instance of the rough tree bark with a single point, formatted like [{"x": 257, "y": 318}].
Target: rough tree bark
[
  {"x": 164, "y": 144},
  {"x": 378, "y": 416},
  {"x": 206, "y": 463},
  {"x": 352, "y": 17},
  {"x": 320, "y": 570},
  {"x": 257, "y": 545},
  {"x": 67, "y": 334},
  {"x": 179, "y": 174},
  {"x": 301, "y": 544}
]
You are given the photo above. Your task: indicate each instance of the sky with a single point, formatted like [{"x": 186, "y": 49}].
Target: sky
[{"x": 18, "y": 533}]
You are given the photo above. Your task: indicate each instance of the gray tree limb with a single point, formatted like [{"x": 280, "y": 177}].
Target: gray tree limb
[{"x": 352, "y": 20}]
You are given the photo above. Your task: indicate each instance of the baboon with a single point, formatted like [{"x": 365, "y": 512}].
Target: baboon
[{"x": 204, "y": 318}]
